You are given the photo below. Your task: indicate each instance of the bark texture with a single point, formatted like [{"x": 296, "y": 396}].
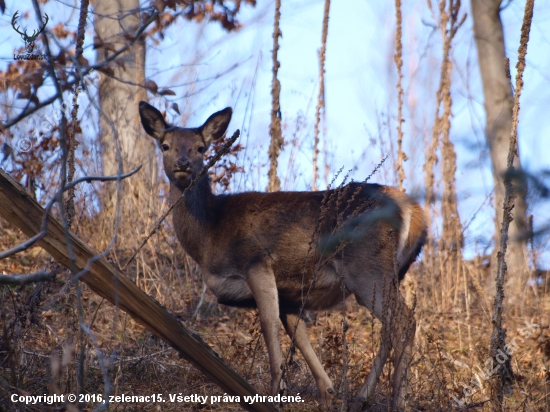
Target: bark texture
[
  {"x": 120, "y": 93},
  {"x": 398, "y": 59},
  {"x": 498, "y": 107},
  {"x": 274, "y": 184},
  {"x": 320, "y": 110}
]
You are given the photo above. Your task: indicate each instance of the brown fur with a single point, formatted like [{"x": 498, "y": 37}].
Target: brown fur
[{"x": 265, "y": 250}]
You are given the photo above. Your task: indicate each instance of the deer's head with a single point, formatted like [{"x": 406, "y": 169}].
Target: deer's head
[{"x": 183, "y": 148}]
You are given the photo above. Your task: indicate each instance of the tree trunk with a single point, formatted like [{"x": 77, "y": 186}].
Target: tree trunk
[
  {"x": 119, "y": 96},
  {"x": 498, "y": 107}
]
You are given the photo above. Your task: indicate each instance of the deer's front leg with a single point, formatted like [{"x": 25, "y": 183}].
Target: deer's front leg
[
  {"x": 261, "y": 281},
  {"x": 297, "y": 330}
]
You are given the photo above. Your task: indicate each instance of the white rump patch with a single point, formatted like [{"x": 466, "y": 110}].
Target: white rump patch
[{"x": 406, "y": 213}]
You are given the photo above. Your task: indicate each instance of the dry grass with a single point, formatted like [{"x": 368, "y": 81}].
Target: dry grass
[{"x": 38, "y": 337}]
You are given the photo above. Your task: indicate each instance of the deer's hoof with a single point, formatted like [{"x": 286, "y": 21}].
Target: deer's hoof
[{"x": 327, "y": 399}]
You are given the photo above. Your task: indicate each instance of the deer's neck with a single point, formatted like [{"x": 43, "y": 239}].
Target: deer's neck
[{"x": 193, "y": 216}]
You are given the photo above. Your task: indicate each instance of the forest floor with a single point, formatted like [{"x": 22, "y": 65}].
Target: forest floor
[{"x": 39, "y": 349}]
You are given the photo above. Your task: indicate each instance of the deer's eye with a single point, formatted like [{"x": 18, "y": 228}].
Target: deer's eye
[
  {"x": 165, "y": 147},
  {"x": 201, "y": 149}
]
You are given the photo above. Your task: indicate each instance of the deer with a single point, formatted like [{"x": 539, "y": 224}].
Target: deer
[
  {"x": 258, "y": 250},
  {"x": 29, "y": 40}
]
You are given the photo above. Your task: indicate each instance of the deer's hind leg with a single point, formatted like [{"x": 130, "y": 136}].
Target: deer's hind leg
[
  {"x": 297, "y": 330},
  {"x": 380, "y": 294},
  {"x": 398, "y": 329},
  {"x": 402, "y": 338}
]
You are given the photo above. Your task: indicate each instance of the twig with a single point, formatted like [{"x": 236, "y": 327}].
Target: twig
[
  {"x": 275, "y": 132},
  {"x": 27, "y": 112},
  {"x": 451, "y": 239},
  {"x": 498, "y": 339},
  {"x": 62, "y": 138},
  {"x": 201, "y": 301},
  {"x": 68, "y": 212},
  {"x": 41, "y": 276},
  {"x": 95, "y": 312},
  {"x": 75, "y": 278},
  {"x": 139, "y": 358},
  {"x": 321, "y": 96},
  {"x": 345, "y": 361},
  {"x": 401, "y": 156},
  {"x": 326, "y": 204},
  {"x": 102, "y": 178},
  {"x": 254, "y": 355},
  {"x": 71, "y": 141},
  {"x": 23, "y": 246},
  {"x": 40, "y": 355},
  {"x": 81, "y": 342},
  {"x": 101, "y": 361}
]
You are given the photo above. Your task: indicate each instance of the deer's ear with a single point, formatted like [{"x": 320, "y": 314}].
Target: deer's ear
[
  {"x": 216, "y": 125},
  {"x": 152, "y": 120}
]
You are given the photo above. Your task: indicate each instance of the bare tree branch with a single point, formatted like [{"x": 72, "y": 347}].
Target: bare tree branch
[
  {"x": 102, "y": 178},
  {"x": 71, "y": 141},
  {"x": 43, "y": 230},
  {"x": 398, "y": 58},
  {"x": 321, "y": 97},
  {"x": 41, "y": 276},
  {"x": 23, "y": 246},
  {"x": 505, "y": 374},
  {"x": 274, "y": 184}
]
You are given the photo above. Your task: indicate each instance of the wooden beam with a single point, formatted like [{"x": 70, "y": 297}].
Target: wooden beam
[{"x": 19, "y": 209}]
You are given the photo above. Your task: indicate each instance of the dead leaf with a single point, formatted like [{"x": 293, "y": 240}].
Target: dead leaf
[
  {"x": 60, "y": 32},
  {"x": 110, "y": 47},
  {"x": 159, "y": 5},
  {"x": 107, "y": 70},
  {"x": 98, "y": 43},
  {"x": 83, "y": 61},
  {"x": 151, "y": 86},
  {"x": 120, "y": 63},
  {"x": 167, "y": 92}
]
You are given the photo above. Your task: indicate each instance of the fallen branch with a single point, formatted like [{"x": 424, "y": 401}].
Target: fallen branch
[{"x": 19, "y": 209}]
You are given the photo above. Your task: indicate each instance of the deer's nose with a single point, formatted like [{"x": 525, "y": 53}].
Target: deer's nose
[{"x": 183, "y": 164}]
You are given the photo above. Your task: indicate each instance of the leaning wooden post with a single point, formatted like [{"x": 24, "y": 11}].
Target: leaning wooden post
[{"x": 19, "y": 209}]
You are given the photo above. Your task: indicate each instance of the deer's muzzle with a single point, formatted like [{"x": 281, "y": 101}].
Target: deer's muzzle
[{"x": 182, "y": 165}]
